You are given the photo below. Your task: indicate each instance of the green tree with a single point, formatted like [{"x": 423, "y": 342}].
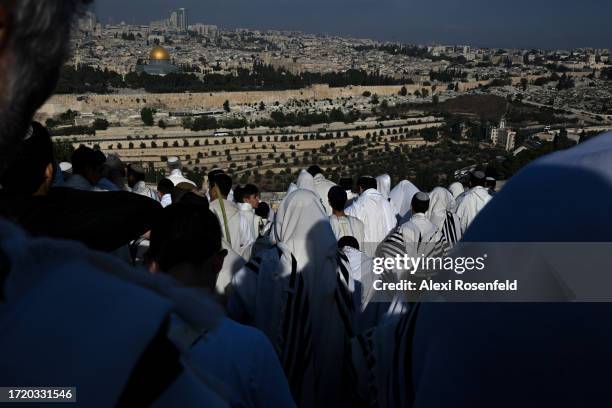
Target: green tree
[
  {"x": 100, "y": 124},
  {"x": 226, "y": 106},
  {"x": 161, "y": 124},
  {"x": 146, "y": 114}
]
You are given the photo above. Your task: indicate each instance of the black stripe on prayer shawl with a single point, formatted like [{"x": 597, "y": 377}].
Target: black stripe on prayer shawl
[
  {"x": 296, "y": 342},
  {"x": 156, "y": 369},
  {"x": 368, "y": 354},
  {"x": 403, "y": 389}
]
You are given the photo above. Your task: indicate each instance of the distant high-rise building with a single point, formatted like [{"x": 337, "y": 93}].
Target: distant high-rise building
[
  {"x": 182, "y": 19},
  {"x": 173, "y": 22}
]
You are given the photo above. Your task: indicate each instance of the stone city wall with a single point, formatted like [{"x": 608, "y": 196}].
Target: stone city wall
[{"x": 189, "y": 101}]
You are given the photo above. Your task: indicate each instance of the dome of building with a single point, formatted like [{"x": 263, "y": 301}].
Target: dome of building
[{"x": 159, "y": 54}]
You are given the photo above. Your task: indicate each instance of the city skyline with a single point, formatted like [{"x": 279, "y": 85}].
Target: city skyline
[{"x": 522, "y": 24}]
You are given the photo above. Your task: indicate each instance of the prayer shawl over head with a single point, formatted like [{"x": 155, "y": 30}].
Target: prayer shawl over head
[
  {"x": 383, "y": 185},
  {"x": 377, "y": 216},
  {"x": 78, "y": 317},
  {"x": 176, "y": 177},
  {"x": 401, "y": 197},
  {"x": 442, "y": 214},
  {"x": 305, "y": 181},
  {"x": 322, "y": 187},
  {"x": 471, "y": 204},
  {"x": 141, "y": 188},
  {"x": 241, "y": 234},
  {"x": 456, "y": 189},
  {"x": 290, "y": 293},
  {"x": 549, "y": 354}
]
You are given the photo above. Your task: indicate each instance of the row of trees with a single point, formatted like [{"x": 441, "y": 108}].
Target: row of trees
[{"x": 262, "y": 77}]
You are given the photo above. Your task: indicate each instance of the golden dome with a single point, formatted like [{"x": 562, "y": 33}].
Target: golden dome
[{"x": 159, "y": 54}]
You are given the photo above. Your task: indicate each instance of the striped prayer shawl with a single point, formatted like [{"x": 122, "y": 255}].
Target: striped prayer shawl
[
  {"x": 384, "y": 356},
  {"x": 451, "y": 231},
  {"x": 294, "y": 342}
]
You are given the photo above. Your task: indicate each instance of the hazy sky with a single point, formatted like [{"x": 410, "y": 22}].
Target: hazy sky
[{"x": 492, "y": 23}]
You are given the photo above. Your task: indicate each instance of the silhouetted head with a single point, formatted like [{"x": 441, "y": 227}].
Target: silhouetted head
[
  {"x": 365, "y": 183},
  {"x": 223, "y": 182},
  {"x": 88, "y": 163},
  {"x": 420, "y": 203},
  {"x": 314, "y": 170},
  {"x": 31, "y": 171},
  {"x": 186, "y": 243},
  {"x": 346, "y": 183},
  {"x": 337, "y": 198},
  {"x": 477, "y": 178},
  {"x": 348, "y": 241}
]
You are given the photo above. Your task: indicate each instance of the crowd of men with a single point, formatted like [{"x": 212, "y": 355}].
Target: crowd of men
[{"x": 186, "y": 295}]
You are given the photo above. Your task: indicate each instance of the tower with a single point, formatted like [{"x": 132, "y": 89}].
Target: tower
[{"x": 182, "y": 19}]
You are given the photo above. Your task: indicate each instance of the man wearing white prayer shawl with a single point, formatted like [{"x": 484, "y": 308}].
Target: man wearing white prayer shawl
[
  {"x": 176, "y": 174},
  {"x": 305, "y": 181},
  {"x": 290, "y": 292},
  {"x": 415, "y": 238},
  {"x": 322, "y": 186},
  {"x": 401, "y": 197},
  {"x": 383, "y": 185},
  {"x": 442, "y": 214},
  {"x": 237, "y": 231},
  {"x": 343, "y": 225},
  {"x": 456, "y": 189},
  {"x": 473, "y": 201},
  {"x": 136, "y": 181},
  {"x": 375, "y": 212},
  {"x": 247, "y": 199},
  {"x": 361, "y": 285}
]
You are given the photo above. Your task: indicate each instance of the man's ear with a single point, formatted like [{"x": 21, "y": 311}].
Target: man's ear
[
  {"x": 153, "y": 267},
  {"x": 49, "y": 172}
]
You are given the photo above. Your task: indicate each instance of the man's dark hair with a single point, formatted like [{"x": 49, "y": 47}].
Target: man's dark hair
[
  {"x": 165, "y": 186},
  {"x": 224, "y": 182},
  {"x": 420, "y": 203},
  {"x": 477, "y": 178},
  {"x": 314, "y": 170},
  {"x": 212, "y": 174},
  {"x": 491, "y": 183},
  {"x": 136, "y": 171},
  {"x": 263, "y": 210},
  {"x": 346, "y": 183},
  {"x": 366, "y": 183},
  {"x": 26, "y": 173},
  {"x": 186, "y": 233},
  {"x": 192, "y": 198},
  {"x": 84, "y": 158},
  {"x": 337, "y": 198},
  {"x": 241, "y": 192},
  {"x": 348, "y": 241}
]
